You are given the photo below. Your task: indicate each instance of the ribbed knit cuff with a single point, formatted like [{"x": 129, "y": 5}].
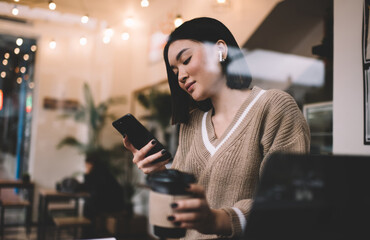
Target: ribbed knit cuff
[{"x": 236, "y": 228}]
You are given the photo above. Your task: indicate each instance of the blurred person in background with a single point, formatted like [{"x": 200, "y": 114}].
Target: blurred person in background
[{"x": 106, "y": 195}]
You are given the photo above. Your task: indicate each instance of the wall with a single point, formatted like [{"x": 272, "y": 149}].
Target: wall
[
  {"x": 348, "y": 113},
  {"x": 114, "y": 69}
]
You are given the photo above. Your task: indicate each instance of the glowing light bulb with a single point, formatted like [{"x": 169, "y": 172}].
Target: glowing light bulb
[
  {"x": 19, "y": 80},
  {"x": 178, "y": 21},
  {"x": 15, "y": 11},
  {"x": 3, "y": 74},
  {"x": 108, "y": 32},
  {"x": 31, "y": 85},
  {"x": 6, "y": 55},
  {"x": 106, "y": 39},
  {"x": 23, "y": 69},
  {"x": 125, "y": 36},
  {"x": 83, "y": 41},
  {"x": 5, "y": 62},
  {"x": 33, "y": 48},
  {"x": 144, "y": 3},
  {"x": 129, "y": 22},
  {"x": 84, "y": 19},
  {"x": 221, "y": 1},
  {"x": 26, "y": 57},
  {"x": 19, "y": 41},
  {"x": 52, "y": 5},
  {"x": 17, "y": 50},
  {"x": 52, "y": 44},
  {"x": 16, "y": 0}
]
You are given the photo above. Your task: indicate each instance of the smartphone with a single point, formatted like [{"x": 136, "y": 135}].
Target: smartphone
[{"x": 138, "y": 135}]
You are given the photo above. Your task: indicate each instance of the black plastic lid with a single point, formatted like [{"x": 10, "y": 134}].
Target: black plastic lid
[{"x": 170, "y": 181}]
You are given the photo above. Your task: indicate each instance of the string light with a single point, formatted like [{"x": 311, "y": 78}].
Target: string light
[
  {"x": 23, "y": 69},
  {"x": 17, "y": 50},
  {"x": 83, "y": 41},
  {"x": 85, "y": 19},
  {"x": 52, "y": 44},
  {"x": 5, "y": 62},
  {"x": 129, "y": 22},
  {"x": 6, "y": 55},
  {"x": 108, "y": 32},
  {"x": 19, "y": 80},
  {"x": 221, "y": 1},
  {"x": 144, "y": 3},
  {"x": 15, "y": 10},
  {"x": 16, "y": 0},
  {"x": 33, "y": 48},
  {"x": 3, "y": 74},
  {"x": 26, "y": 57},
  {"x": 52, "y": 5},
  {"x": 106, "y": 39},
  {"x": 19, "y": 41},
  {"x": 178, "y": 21},
  {"x": 125, "y": 36}
]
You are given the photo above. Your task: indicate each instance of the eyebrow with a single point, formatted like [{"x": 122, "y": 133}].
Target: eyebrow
[{"x": 180, "y": 53}]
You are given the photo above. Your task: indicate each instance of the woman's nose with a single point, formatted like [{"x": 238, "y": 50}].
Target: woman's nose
[{"x": 183, "y": 76}]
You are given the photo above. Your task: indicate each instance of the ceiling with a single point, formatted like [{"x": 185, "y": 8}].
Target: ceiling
[
  {"x": 74, "y": 6},
  {"x": 109, "y": 10},
  {"x": 290, "y": 23}
]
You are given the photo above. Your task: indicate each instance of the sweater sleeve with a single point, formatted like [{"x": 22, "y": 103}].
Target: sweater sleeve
[{"x": 284, "y": 129}]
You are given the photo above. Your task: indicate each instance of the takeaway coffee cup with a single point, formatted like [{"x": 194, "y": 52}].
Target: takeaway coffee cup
[{"x": 167, "y": 187}]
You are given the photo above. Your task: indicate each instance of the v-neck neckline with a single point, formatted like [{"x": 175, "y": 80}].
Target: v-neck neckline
[{"x": 210, "y": 140}]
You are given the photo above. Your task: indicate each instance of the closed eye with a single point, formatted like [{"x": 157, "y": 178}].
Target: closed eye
[{"x": 187, "y": 61}]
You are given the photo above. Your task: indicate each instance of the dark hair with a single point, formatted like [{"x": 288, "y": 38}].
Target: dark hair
[
  {"x": 96, "y": 161},
  {"x": 235, "y": 67}
]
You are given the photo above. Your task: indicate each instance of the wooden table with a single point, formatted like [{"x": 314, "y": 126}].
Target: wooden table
[
  {"x": 8, "y": 199},
  {"x": 47, "y": 196}
]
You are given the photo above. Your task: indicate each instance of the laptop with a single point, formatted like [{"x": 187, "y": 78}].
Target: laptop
[{"x": 312, "y": 197}]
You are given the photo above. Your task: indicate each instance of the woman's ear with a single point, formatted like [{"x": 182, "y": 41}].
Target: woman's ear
[{"x": 222, "y": 50}]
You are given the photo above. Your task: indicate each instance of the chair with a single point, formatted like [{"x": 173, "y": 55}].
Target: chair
[
  {"x": 68, "y": 222},
  {"x": 66, "y": 204},
  {"x": 16, "y": 194}
]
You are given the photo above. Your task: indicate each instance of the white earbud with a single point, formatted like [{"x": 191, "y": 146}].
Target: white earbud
[{"x": 221, "y": 59}]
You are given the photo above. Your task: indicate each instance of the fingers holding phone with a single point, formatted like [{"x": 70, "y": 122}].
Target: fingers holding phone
[
  {"x": 147, "y": 163},
  {"x": 128, "y": 145}
]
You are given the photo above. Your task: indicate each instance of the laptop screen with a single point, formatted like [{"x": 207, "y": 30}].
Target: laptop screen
[{"x": 311, "y": 197}]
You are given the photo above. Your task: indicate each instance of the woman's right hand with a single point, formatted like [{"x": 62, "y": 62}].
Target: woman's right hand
[{"x": 145, "y": 163}]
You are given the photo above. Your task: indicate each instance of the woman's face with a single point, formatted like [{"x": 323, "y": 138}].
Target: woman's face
[{"x": 197, "y": 68}]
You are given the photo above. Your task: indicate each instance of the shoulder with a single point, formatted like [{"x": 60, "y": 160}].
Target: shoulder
[
  {"x": 277, "y": 94},
  {"x": 279, "y": 101}
]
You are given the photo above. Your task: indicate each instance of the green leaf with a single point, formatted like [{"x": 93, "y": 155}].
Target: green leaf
[{"x": 71, "y": 141}]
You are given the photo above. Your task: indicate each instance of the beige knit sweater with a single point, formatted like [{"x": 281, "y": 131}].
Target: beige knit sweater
[{"x": 229, "y": 167}]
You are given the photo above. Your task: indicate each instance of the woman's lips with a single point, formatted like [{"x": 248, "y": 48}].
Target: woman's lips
[{"x": 189, "y": 86}]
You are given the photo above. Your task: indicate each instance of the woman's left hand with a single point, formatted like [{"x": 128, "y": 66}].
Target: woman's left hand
[{"x": 195, "y": 213}]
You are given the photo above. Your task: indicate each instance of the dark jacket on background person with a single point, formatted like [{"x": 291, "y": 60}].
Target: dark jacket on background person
[{"x": 106, "y": 194}]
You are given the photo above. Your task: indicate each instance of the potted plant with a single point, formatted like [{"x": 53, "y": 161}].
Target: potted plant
[
  {"x": 158, "y": 102},
  {"x": 117, "y": 158}
]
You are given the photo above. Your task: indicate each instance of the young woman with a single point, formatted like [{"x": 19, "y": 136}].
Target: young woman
[{"x": 227, "y": 129}]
